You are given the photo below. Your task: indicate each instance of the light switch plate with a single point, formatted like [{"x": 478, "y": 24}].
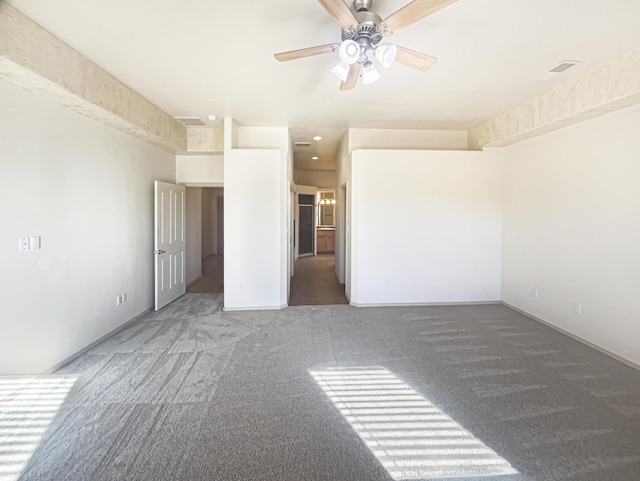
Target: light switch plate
[{"x": 34, "y": 243}]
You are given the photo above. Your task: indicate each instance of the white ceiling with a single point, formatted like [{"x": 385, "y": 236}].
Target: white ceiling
[{"x": 182, "y": 54}]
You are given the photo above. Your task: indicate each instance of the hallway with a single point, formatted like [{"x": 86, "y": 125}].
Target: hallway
[
  {"x": 315, "y": 282},
  {"x": 212, "y": 280}
]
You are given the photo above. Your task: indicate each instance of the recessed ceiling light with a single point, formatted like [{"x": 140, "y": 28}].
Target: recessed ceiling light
[
  {"x": 314, "y": 158},
  {"x": 211, "y": 117},
  {"x": 317, "y": 137}
]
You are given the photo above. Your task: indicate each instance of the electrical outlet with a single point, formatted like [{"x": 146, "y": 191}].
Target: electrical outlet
[
  {"x": 534, "y": 292},
  {"x": 124, "y": 297},
  {"x": 577, "y": 308}
]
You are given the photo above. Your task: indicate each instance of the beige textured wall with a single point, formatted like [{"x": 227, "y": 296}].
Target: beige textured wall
[
  {"x": 608, "y": 88},
  {"x": 205, "y": 140}
]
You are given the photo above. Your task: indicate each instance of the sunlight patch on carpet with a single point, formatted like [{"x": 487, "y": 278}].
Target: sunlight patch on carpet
[
  {"x": 28, "y": 405},
  {"x": 410, "y": 436}
]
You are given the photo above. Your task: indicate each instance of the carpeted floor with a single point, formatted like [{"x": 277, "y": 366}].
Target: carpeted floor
[{"x": 194, "y": 393}]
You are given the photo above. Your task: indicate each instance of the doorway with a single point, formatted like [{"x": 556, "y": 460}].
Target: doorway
[
  {"x": 211, "y": 242},
  {"x": 306, "y": 229},
  {"x": 314, "y": 280}
]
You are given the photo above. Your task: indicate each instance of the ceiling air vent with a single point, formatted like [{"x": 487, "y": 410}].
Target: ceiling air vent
[
  {"x": 302, "y": 144},
  {"x": 558, "y": 69},
  {"x": 562, "y": 67},
  {"x": 191, "y": 121}
]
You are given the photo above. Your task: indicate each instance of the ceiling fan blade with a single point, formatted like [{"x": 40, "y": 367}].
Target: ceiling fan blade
[
  {"x": 307, "y": 52},
  {"x": 352, "y": 77},
  {"x": 414, "y": 59},
  {"x": 339, "y": 11},
  {"x": 414, "y": 11}
]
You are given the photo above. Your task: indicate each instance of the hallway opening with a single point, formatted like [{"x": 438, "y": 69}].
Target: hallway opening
[
  {"x": 314, "y": 282},
  {"x": 205, "y": 237},
  {"x": 212, "y": 280}
]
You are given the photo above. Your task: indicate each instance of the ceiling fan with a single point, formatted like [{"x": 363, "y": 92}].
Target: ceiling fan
[{"x": 362, "y": 32}]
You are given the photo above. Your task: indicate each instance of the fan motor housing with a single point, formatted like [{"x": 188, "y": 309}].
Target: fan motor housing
[
  {"x": 360, "y": 5},
  {"x": 367, "y": 28}
]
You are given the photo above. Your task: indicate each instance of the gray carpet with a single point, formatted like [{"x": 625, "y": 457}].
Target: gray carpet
[{"x": 194, "y": 393}]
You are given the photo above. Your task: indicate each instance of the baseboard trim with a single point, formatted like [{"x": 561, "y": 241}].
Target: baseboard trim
[
  {"x": 73, "y": 357},
  {"x": 193, "y": 282},
  {"x": 575, "y": 337},
  {"x": 424, "y": 304},
  {"x": 259, "y": 308}
]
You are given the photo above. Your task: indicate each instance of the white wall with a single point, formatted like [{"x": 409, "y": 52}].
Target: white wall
[
  {"x": 426, "y": 227},
  {"x": 383, "y": 139},
  {"x": 572, "y": 229},
  {"x": 199, "y": 169},
  {"x": 323, "y": 179},
  {"x": 398, "y": 139},
  {"x": 88, "y": 191},
  {"x": 193, "y": 238},
  {"x": 256, "y": 193},
  {"x": 263, "y": 138}
]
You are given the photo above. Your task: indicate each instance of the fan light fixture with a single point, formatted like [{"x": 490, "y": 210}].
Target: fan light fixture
[
  {"x": 349, "y": 52},
  {"x": 386, "y": 54},
  {"x": 369, "y": 74},
  {"x": 341, "y": 71},
  {"x": 362, "y": 33}
]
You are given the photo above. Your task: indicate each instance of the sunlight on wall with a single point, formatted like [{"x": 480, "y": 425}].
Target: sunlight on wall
[
  {"x": 410, "y": 436},
  {"x": 28, "y": 405}
]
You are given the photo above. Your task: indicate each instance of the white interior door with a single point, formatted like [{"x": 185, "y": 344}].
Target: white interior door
[{"x": 169, "y": 243}]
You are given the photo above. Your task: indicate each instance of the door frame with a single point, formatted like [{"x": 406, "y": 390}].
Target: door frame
[
  {"x": 220, "y": 224},
  {"x": 313, "y": 231},
  {"x": 307, "y": 190}
]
